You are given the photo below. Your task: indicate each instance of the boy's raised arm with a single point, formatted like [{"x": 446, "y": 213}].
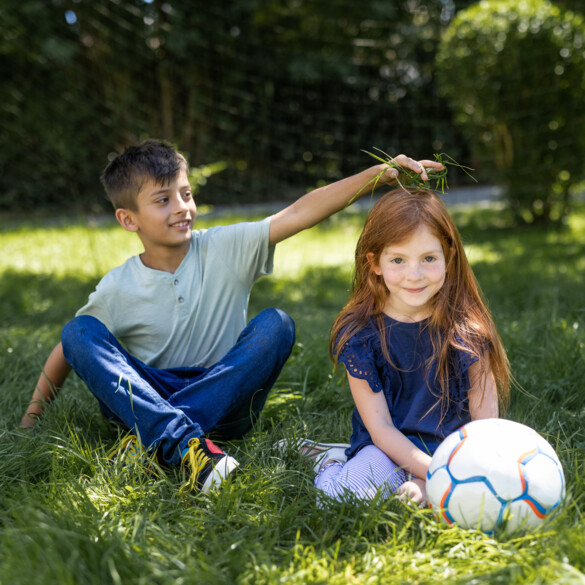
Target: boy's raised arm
[
  {"x": 319, "y": 204},
  {"x": 48, "y": 385}
]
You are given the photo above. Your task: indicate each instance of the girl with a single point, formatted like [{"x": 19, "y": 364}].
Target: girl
[{"x": 419, "y": 346}]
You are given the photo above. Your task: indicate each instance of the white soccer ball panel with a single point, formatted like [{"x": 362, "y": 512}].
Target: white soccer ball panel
[
  {"x": 544, "y": 479},
  {"x": 437, "y": 486},
  {"x": 473, "y": 505},
  {"x": 520, "y": 515},
  {"x": 547, "y": 448},
  {"x": 444, "y": 451},
  {"x": 473, "y": 458},
  {"x": 477, "y": 457},
  {"x": 502, "y": 434},
  {"x": 506, "y": 478}
]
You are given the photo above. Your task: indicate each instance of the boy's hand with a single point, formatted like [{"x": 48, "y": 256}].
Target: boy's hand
[
  {"x": 421, "y": 167},
  {"x": 48, "y": 386},
  {"x": 28, "y": 421},
  {"x": 320, "y": 203}
]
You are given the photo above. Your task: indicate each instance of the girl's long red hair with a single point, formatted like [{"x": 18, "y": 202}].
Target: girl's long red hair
[{"x": 460, "y": 318}]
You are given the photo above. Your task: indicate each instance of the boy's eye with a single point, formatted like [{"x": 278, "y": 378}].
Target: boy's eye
[
  {"x": 187, "y": 194},
  {"x": 162, "y": 200}
]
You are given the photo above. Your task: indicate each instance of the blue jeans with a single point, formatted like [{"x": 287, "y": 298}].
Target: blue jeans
[{"x": 167, "y": 407}]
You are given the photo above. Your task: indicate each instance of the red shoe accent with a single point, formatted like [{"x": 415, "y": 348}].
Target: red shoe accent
[{"x": 213, "y": 448}]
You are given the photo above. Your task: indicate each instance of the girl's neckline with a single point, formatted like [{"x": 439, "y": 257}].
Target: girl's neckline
[{"x": 412, "y": 323}]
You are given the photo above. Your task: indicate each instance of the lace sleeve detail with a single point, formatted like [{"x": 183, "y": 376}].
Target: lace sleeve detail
[
  {"x": 460, "y": 381},
  {"x": 358, "y": 357}
]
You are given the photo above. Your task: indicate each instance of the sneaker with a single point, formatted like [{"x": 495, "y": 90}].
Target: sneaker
[
  {"x": 207, "y": 465},
  {"x": 320, "y": 453}
]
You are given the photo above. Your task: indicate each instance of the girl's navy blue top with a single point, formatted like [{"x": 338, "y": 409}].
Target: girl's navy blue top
[{"x": 415, "y": 406}]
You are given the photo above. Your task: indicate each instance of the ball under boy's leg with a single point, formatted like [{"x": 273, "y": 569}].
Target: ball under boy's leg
[
  {"x": 366, "y": 474},
  {"x": 128, "y": 391},
  {"x": 227, "y": 397}
]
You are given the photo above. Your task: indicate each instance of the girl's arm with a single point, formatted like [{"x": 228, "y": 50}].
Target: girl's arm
[
  {"x": 375, "y": 414},
  {"x": 48, "y": 385},
  {"x": 483, "y": 393}
]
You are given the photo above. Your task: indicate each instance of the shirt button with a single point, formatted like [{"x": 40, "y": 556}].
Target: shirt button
[
  {"x": 176, "y": 281},
  {"x": 181, "y": 299}
]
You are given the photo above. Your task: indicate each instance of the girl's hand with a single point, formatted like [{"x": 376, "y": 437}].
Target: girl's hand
[
  {"x": 413, "y": 490},
  {"x": 421, "y": 167}
]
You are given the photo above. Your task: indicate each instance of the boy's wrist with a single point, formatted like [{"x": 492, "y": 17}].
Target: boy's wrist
[{"x": 375, "y": 170}]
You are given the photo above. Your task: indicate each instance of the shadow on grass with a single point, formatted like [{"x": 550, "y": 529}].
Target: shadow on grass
[{"x": 30, "y": 300}]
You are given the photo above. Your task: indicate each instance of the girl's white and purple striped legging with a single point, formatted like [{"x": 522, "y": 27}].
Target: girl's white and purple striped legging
[{"x": 365, "y": 475}]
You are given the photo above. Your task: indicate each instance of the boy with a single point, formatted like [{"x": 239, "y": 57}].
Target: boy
[{"x": 163, "y": 342}]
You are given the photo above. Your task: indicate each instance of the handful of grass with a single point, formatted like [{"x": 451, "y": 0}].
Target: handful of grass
[{"x": 409, "y": 179}]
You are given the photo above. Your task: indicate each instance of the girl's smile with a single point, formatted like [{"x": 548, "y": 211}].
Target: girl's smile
[{"x": 413, "y": 272}]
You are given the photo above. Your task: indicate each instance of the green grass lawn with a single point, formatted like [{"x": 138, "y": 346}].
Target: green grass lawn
[{"x": 68, "y": 516}]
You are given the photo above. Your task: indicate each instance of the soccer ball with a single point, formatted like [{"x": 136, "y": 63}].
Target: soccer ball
[{"x": 495, "y": 474}]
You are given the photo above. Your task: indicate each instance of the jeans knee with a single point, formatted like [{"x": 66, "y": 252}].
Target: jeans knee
[
  {"x": 76, "y": 330},
  {"x": 281, "y": 325}
]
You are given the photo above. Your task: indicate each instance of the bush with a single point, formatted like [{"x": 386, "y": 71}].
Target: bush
[{"x": 514, "y": 73}]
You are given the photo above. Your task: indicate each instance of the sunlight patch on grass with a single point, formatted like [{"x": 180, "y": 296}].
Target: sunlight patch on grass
[
  {"x": 316, "y": 248},
  {"x": 91, "y": 249},
  {"x": 83, "y": 250},
  {"x": 482, "y": 253}
]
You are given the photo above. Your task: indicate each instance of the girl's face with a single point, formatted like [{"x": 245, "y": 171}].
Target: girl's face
[{"x": 414, "y": 272}]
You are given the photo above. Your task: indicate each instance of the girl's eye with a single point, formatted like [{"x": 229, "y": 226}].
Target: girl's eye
[
  {"x": 430, "y": 259},
  {"x": 396, "y": 260}
]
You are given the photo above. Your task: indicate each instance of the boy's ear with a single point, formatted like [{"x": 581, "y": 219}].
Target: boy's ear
[
  {"x": 371, "y": 258},
  {"x": 126, "y": 219}
]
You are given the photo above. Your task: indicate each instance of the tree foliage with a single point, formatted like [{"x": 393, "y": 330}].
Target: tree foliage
[
  {"x": 514, "y": 73},
  {"x": 286, "y": 93}
]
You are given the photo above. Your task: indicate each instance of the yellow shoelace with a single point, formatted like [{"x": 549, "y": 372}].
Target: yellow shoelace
[
  {"x": 197, "y": 460},
  {"x": 127, "y": 447},
  {"x": 131, "y": 451}
]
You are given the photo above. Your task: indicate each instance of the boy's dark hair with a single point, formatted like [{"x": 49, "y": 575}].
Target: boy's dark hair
[{"x": 126, "y": 174}]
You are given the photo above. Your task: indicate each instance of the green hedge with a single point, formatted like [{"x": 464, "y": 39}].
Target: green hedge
[{"x": 514, "y": 73}]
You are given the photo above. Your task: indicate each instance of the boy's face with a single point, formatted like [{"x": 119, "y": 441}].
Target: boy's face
[{"x": 165, "y": 214}]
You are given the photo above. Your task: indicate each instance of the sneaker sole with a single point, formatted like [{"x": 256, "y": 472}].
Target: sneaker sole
[
  {"x": 285, "y": 444},
  {"x": 222, "y": 469},
  {"x": 335, "y": 451},
  {"x": 331, "y": 454}
]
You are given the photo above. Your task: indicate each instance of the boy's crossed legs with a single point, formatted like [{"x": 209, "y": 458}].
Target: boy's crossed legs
[{"x": 169, "y": 408}]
